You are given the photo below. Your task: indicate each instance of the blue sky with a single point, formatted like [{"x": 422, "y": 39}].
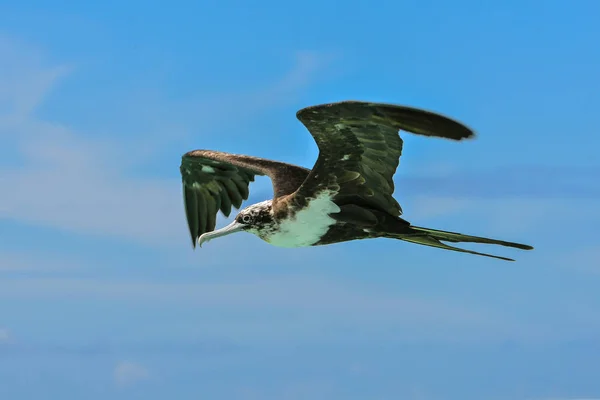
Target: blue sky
[{"x": 101, "y": 295}]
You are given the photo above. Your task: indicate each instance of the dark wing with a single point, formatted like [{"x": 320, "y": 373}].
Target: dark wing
[
  {"x": 360, "y": 148},
  {"x": 214, "y": 181}
]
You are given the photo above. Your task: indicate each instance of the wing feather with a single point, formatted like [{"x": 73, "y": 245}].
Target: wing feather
[
  {"x": 360, "y": 149},
  {"x": 225, "y": 202},
  {"x": 214, "y": 181},
  {"x": 234, "y": 194}
]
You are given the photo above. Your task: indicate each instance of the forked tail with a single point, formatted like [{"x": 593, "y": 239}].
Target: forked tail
[{"x": 434, "y": 238}]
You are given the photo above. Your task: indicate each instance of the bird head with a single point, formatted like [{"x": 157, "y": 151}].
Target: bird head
[{"x": 251, "y": 219}]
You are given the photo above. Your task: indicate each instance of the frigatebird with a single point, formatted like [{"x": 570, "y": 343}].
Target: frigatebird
[{"x": 347, "y": 195}]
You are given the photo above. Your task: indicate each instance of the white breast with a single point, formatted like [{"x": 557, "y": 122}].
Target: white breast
[{"x": 308, "y": 225}]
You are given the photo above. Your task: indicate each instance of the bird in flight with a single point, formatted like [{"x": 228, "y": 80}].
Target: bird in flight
[{"x": 347, "y": 195}]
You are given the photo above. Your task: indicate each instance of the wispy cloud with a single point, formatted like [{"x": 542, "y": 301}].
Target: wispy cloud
[
  {"x": 513, "y": 200},
  {"x": 307, "y": 65},
  {"x": 16, "y": 261},
  {"x": 515, "y": 217},
  {"x": 330, "y": 301},
  {"x": 25, "y": 81},
  {"x": 527, "y": 181},
  {"x": 5, "y": 336},
  {"x": 82, "y": 183},
  {"x": 128, "y": 373},
  {"x": 113, "y": 347},
  {"x": 314, "y": 389},
  {"x": 209, "y": 114},
  {"x": 585, "y": 259}
]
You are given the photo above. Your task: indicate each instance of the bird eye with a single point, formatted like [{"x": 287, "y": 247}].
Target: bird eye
[{"x": 246, "y": 218}]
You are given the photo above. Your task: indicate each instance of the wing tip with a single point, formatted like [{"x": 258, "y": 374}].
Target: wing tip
[
  {"x": 514, "y": 245},
  {"x": 454, "y": 129}
]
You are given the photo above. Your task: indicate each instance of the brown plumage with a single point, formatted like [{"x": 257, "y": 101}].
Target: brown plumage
[{"x": 346, "y": 196}]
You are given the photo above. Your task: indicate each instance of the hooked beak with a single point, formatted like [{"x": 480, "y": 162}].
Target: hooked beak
[{"x": 229, "y": 229}]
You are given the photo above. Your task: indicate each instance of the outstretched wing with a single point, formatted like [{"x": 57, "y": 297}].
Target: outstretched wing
[
  {"x": 214, "y": 181},
  {"x": 360, "y": 149}
]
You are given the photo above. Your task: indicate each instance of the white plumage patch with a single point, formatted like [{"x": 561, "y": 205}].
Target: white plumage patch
[
  {"x": 308, "y": 225},
  {"x": 206, "y": 168}
]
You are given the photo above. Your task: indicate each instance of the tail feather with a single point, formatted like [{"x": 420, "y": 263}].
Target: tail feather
[
  {"x": 459, "y": 237},
  {"x": 434, "y": 238}
]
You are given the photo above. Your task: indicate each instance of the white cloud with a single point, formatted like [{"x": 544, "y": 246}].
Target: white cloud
[
  {"x": 581, "y": 258},
  {"x": 320, "y": 301},
  {"x": 300, "y": 389},
  {"x": 307, "y": 64},
  {"x": 5, "y": 336},
  {"x": 79, "y": 182},
  {"x": 127, "y": 373},
  {"x": 14, "y": 261},
  {"x": 94, "y": 203},
  {"x": 516, "y": 218},
  {"x": 25, "y": 80},
  {"x": 357, "y": 368}
]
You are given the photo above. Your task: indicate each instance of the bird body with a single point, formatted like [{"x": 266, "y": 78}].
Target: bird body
[
  {"x": 307, "y": 225},
  {"x": 346, "y": 196}
]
